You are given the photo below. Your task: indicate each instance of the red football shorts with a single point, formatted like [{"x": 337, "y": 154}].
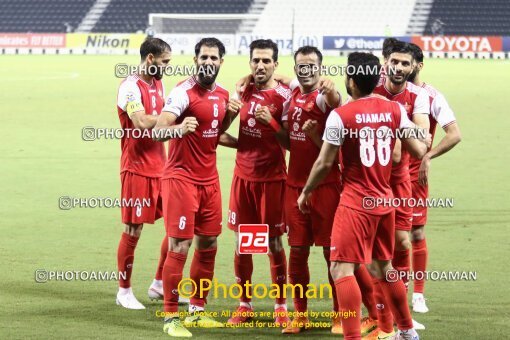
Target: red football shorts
[
  {"x": 315, "y": 227},
  {"x": 421, "y": 193},
  {"x": 140, "y": 189},
  {"x": 190, "y": 209},
  {"x": 403, "y": 212},
  {"x": 257, "y": 202},
  {"x": 358, "y": 237}
]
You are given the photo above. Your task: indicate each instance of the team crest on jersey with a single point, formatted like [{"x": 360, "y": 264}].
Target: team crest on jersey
[
  {"x": 169, "y": 101},
  {"x": 251, "y": 122},
  {"x": 296, "y": 126},
  {"x": 214, "y": 124},
  {"x": 308, "y": 106}
]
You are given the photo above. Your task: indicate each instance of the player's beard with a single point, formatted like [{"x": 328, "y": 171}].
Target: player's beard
[
  {"x": 208, "y": 78},
  {"x": 159, "y": 73},
  {"x": 412, "y": 76},
  {"x": 399, "y": 82}
]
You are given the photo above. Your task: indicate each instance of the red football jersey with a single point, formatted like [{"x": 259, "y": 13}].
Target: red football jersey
[
  {"x": 193, "y": 157},
  {"x": 440, "y": 113},
  {"x": 142, "y": 156},
  {"x": 303, "y": 151},
  {"x": 414, "y": 101},
  {"x": 260, "y": 158},
  {"x": 366, "y": 148}
]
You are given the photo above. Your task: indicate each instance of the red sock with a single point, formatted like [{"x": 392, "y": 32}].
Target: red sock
[
  {"x": 162, "y": 258},
  {"x": 384, "y": 316},
  {"x": 366, "y": 286},
  {"x": 401, "y": 262},
  {"x": 299, "y": 275},
  {"x": 420, "y": 254},
  {"x": 278, "y": 263},
  {"x": 349, "y": 299},
  {"x": 327, "y": 253},
  {"x": 395, "y": 293},
  {"x": 202, "y": 267},
  {"x": 243, "y": 269},
  {"x": 125, "y": 258},
  {"x": 172, "y": 275}
]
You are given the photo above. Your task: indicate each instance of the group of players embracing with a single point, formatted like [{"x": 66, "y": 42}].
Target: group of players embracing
[{"x": 334, "y": 166}]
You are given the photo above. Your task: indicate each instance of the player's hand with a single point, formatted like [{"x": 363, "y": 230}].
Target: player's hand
[
  {"x": 428, "y": 140},
  {"x": 233, "y": 107},
  {"x": 326, "y": 86},
  {"x": 423, "y": 173},
  {"x": 243, "y": 83},
  {"x": 263, "y": 115},
  {"x": 303, "y": 203},
  {"x": 188, "y": 125},
  {"x": 310, "y": 127}
]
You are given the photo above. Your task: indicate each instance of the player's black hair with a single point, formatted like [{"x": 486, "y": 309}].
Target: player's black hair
[
  {"x": 263, "y": 44},
  {"x": 417, "y": 52},
  {"x": 155, "y": 46},
  {"x": 401, "y": 47},
  {"x": 306, "y": 50},
  {"x": 365, "y": 71},
  {"x": 387, "y": 45},
  {"x": 210, "y": 42}
]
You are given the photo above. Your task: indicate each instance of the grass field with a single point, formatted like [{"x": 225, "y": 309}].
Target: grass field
[{"x": 47, "y": 100}]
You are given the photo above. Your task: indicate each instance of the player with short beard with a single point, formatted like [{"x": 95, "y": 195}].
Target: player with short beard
[
  {"x": 258, "y": 185},
  {"x": 190, "y": 186},
  {"x": 139, "y": 102},
  {"x": 442, "y": 114},
  {"x": 395, "y": 86},
  {"x": 360, "y": 235}
]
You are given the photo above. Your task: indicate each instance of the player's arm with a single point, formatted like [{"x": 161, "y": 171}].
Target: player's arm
[
  {"x": 175, "y": 105},
  {"x": 421, "y": 111},
  {"x": 326, "y": 159},
  {"x": 227, "y": 140},
  {"x": 417, "y": 147},
  {"x": 396, "y": 155},
  {"x": 233, "y": 107},
  {"x": 446, "y": 118},
  {"x": 263, "y": 115},
  {"x": 310, "y": 128},
  {"x": 129, "y": 99},
  {"x": 328, "y": 90}
]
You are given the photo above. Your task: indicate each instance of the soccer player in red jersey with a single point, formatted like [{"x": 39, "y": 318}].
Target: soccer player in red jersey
[
  {"x": 394, "y": 86},
  {"x": 139, "y": 102},
  {"x": 442, "y": 114},
  {"x": 258, "y": 185},
  {"x": 190, "y": 184},
  {"x": 361, "y": 235},
  {"x": 312, "y": 100}
]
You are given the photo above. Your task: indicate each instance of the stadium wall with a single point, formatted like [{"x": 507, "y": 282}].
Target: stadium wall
[{"x": 496, "y": 47}]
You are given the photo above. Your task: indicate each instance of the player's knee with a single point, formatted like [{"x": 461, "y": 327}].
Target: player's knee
[
  {"x": 418, "y": 233},
  {"x": 275, "y": 244},
  {"x": 206, "y": 242},
  {"x": 340, "y": 270},
  {"x": 372, "y": 269},
  {"x": 177, "y": 245},
  {"x": 133, "y": 229},
  {"x": 402, "y": 240}
]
